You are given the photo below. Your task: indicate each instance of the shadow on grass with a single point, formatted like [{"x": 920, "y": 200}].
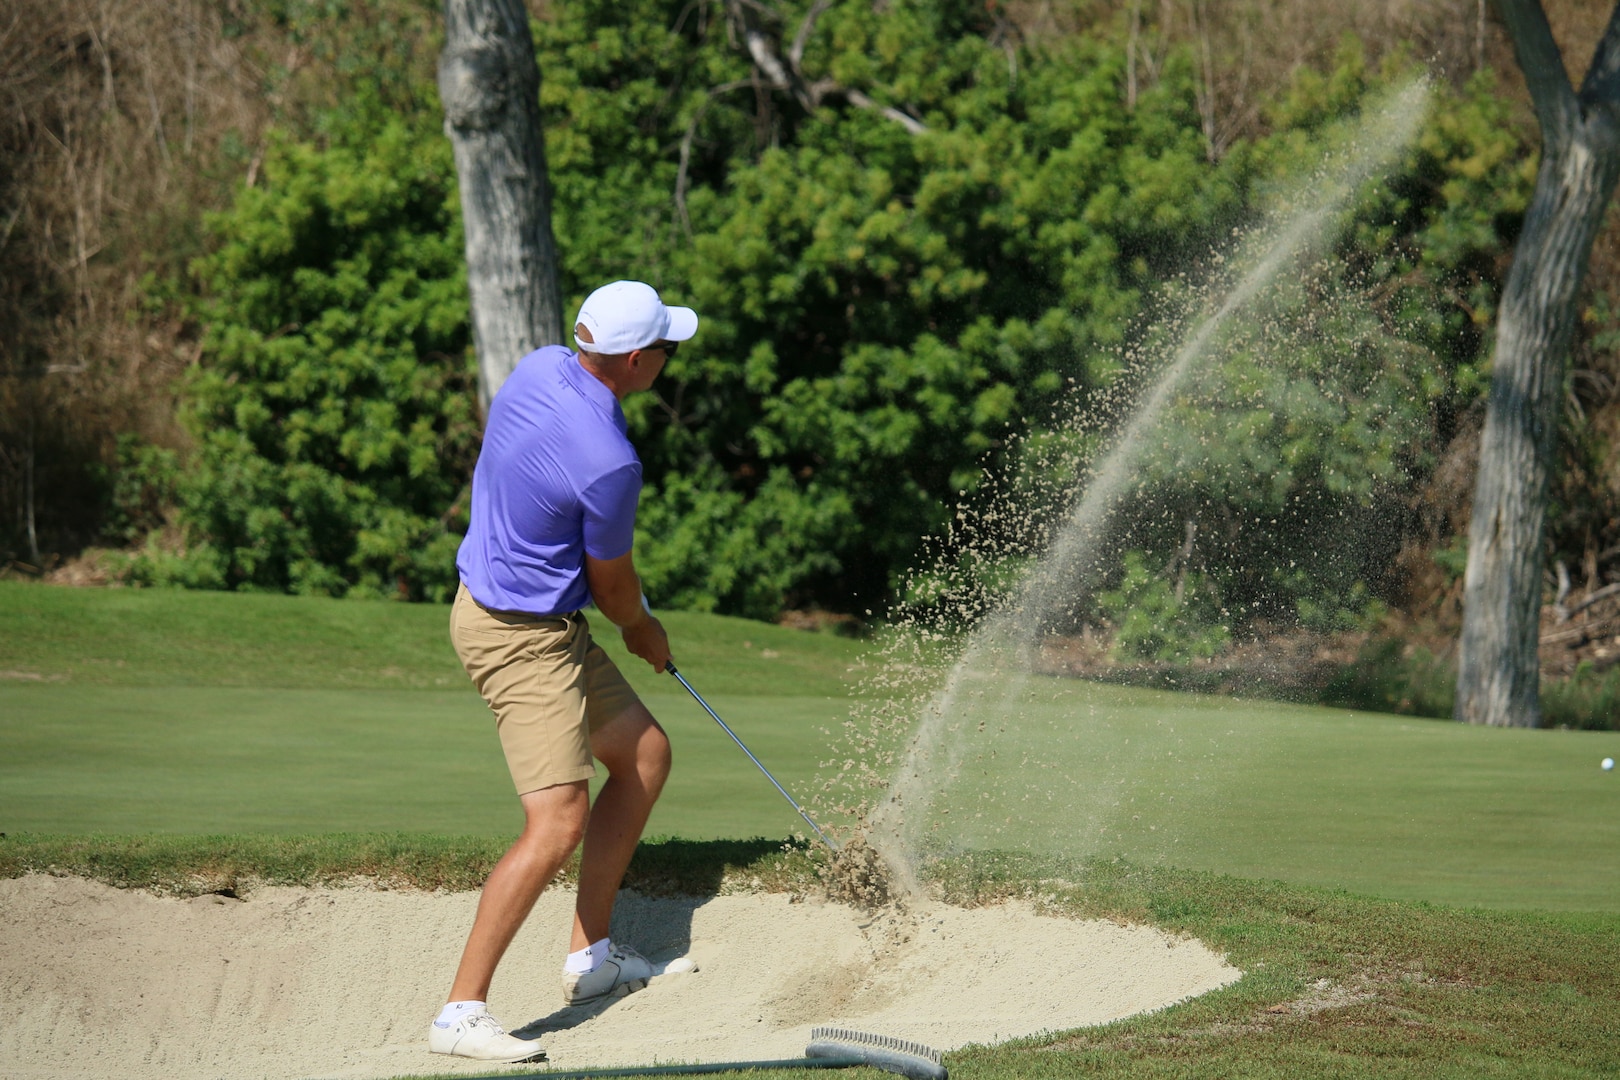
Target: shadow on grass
[
  {"x": 230, "y": 865},
  {"x": 670, "y": 867}
]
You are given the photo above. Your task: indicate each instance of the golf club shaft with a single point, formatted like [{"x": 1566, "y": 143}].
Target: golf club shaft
[{"x": 670, "y": 667}]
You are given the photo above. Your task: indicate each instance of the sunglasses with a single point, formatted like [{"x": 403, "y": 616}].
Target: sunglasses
[{"x": 669, "y": 347}]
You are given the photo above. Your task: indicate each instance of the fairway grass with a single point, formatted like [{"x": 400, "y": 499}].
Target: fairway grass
[
  {"x": 172, "y": 637},
  {"x": 89, "y": 759},
  {"x": 1393, "y": 806},
  {"x": 153, "y": 711}
]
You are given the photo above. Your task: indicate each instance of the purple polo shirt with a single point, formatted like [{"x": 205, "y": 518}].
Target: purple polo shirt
[{"x": 556, "y": 479}]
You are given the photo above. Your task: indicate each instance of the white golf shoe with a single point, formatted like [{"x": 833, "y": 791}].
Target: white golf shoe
[
  {"x": 481, "y": 1038},
  {"x": 623, "y": 972}
]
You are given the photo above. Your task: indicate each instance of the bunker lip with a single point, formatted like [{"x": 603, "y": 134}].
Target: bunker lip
[{"x": 341, "y": 983}]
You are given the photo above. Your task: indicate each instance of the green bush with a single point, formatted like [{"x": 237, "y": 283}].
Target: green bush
[
  {"x": 1157, "y": 620},
  {"x": 333, "y": 412},
  {"x": 1389, "y": 676},
  {"x": 1292, "y": 456},
  {"x": 142, "y": 486},
  {"x": 1588, "y": 700},
  {"x": 883, "y": 310}
]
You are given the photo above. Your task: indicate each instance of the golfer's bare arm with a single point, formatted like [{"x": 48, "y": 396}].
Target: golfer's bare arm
[{"x": 616, "y": 589}]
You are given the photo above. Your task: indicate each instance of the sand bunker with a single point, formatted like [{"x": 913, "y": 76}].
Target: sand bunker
[{"x": 294, "y": 983}]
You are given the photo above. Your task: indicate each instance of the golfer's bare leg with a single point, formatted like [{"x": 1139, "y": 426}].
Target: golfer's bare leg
[
  {"x": 636, "y": 753},
  {"x": 554, "y": 821}
]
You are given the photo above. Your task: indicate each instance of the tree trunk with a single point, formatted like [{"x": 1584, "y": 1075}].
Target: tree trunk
[
  {"x": 1498, "y": 676},
  {"x": 490, "y": 88}
]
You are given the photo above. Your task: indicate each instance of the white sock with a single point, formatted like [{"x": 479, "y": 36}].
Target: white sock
[
  {"x": 589, "y": 958},
  {"x": 455, "y": 1010}
]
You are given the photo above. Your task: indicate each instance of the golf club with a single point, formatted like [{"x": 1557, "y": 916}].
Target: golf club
[{"x": 825, "y": 839}]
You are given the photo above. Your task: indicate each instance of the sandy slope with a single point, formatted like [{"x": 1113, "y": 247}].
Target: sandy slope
[{"x": 342, "y": 982}]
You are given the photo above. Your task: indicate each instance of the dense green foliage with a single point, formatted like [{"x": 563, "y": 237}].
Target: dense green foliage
[
  {"x": 1283, "y": 479},
  {"x": 882, "y": 310},
  {"x": 335, "y": 430}
]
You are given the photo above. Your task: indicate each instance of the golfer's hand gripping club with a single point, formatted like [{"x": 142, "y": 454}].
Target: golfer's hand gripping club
[{"x": 825, "y": 839}]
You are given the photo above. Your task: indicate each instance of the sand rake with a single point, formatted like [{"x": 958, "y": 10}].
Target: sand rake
[{"x": 830, "y": 1048}]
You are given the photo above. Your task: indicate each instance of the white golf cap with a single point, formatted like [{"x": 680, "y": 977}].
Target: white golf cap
[{"x": 627, "y": 315}]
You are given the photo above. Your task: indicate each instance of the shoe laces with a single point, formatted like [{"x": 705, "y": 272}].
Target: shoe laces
[
  {"x": 484, "y": 1020},
  {"x": 627, "y": 952}
]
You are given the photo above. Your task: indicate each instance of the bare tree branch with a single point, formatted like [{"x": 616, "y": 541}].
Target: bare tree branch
[
  {"x": 1602, "y": 82},
  {"x": 1130, "y": 55},
  {"x": 681, "y": 177},
  {"x": 765, "y": 58},
  {"x": 911, "y": 124},
  {"x": 802, "y": 38},
  {"x": 1543, "y": 68},
  {"x": 1593, "y": 598},
  {"x": 762, "y": 50}
]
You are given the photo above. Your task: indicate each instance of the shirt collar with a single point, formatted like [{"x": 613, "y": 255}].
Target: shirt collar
[{"x": 593, "y": 390}]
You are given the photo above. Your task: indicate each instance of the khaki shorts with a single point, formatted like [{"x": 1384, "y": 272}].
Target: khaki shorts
[{"x": 548, "y": 684}]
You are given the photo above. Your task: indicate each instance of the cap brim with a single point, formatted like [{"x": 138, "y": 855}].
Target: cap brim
[{"x": 683, "y": 323}]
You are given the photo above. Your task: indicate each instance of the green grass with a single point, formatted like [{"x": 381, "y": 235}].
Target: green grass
[
  {"x": 138, "y": 711},
  {"x": 1396, "y": 806},
  {"x": 161, "y": 712},
  {"x": 170, "y": 637},
  {"x": 1335, "y": 984},
  {"x": 87, "y": 759},
  {"x": 193, "y": 865}
]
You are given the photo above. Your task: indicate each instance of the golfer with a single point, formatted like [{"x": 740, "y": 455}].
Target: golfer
[{"x": 553, "y": 517}]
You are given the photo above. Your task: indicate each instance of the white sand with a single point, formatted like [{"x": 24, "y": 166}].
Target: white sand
[{"x": 291, "y": 983}]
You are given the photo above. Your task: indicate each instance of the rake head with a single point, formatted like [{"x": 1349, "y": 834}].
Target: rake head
[{"x": 884, "y": 1052}]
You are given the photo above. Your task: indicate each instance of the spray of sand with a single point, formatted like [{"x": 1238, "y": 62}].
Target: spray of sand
[{"x": 992, "y": 670}]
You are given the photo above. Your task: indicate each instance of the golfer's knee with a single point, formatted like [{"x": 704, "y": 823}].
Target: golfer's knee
[
  {"x": 556, "y": 816},
  {"x": 654, "y": 757},
  {"x": 635, "y": 749},
  {"x": 569, "y": 826}
]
